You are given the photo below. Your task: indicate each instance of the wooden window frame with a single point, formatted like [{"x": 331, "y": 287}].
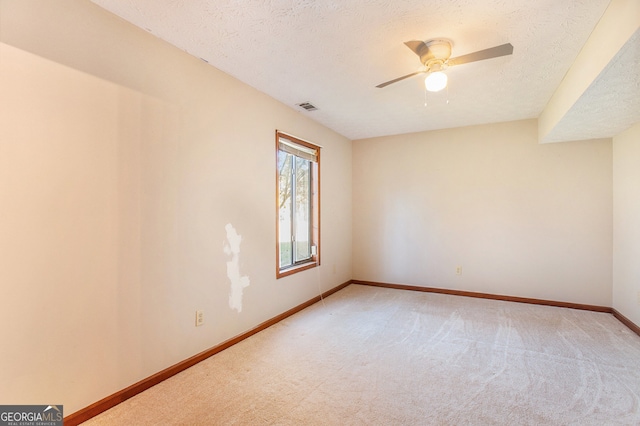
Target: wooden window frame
[{"x": 315, "y": 208}]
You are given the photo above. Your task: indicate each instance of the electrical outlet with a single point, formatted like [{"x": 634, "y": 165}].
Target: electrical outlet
[
  {"x": 199, "y": 318},
  {"x": 458, "y": 270}
]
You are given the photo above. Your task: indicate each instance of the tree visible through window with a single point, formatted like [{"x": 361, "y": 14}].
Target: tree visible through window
[{"x": 298, "y": 204}]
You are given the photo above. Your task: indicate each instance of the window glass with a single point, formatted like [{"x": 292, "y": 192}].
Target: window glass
[{"x": 302, "y": 210}]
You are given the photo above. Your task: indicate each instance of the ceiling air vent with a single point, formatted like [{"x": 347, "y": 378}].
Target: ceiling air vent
[{"x": 308, "y": 106}]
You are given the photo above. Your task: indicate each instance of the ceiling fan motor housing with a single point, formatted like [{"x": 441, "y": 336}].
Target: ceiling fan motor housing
[{"x": 435, "y": 53}]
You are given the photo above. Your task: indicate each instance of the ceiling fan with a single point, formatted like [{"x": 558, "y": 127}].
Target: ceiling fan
[{"x": 435, "y": 56}]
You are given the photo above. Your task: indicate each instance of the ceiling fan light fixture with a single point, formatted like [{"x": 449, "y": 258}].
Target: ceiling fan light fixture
[{"x": 435, "y": 81}]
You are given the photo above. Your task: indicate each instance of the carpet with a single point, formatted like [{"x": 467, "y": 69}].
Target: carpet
[{"x": 370, "y": 355}]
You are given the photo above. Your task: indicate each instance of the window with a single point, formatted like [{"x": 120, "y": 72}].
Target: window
[{"x": 298, "y": 205}]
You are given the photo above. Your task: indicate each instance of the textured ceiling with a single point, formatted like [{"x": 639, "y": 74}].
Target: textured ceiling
[
  {"x": 610, "y": 103},
  {"x": 333, "y": 53}
]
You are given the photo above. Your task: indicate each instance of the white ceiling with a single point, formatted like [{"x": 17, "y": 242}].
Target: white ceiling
[{"x": 333, "y": 53}]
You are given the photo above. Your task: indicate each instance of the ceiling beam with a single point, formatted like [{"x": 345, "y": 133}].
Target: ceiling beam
[{"x": 617, "y": 25}]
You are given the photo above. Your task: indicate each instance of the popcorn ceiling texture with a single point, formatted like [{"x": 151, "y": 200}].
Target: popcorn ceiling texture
[
  {"x": 333, "y": 54},
  {"x": 610, "y": 104}
]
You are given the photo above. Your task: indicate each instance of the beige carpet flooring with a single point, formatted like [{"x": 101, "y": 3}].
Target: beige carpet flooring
[{"x": 377, "y": 356}]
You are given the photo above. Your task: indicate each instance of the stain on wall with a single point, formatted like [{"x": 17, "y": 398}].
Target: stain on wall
[{"x": 238, "y": 283}]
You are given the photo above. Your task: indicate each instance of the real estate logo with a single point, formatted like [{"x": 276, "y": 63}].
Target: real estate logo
[{"x": 31, "y": 415}]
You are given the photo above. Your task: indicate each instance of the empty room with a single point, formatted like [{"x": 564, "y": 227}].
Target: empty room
[{"x": 320, "y": 212}]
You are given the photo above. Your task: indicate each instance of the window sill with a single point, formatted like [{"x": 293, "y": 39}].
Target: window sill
[{"x": 280, "y": 273}]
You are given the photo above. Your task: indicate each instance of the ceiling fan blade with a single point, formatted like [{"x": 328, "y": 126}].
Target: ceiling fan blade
[
  {"x": 492, "y": 52},
  {"x": 395, "y": 80},
  {"x": 416, "y": 46}
]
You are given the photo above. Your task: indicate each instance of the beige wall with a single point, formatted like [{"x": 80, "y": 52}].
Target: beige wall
[
  {"x": 626, "y": 223},
  {"x": 522, "y": 219},
  {"x": 122, "y": 159}
]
